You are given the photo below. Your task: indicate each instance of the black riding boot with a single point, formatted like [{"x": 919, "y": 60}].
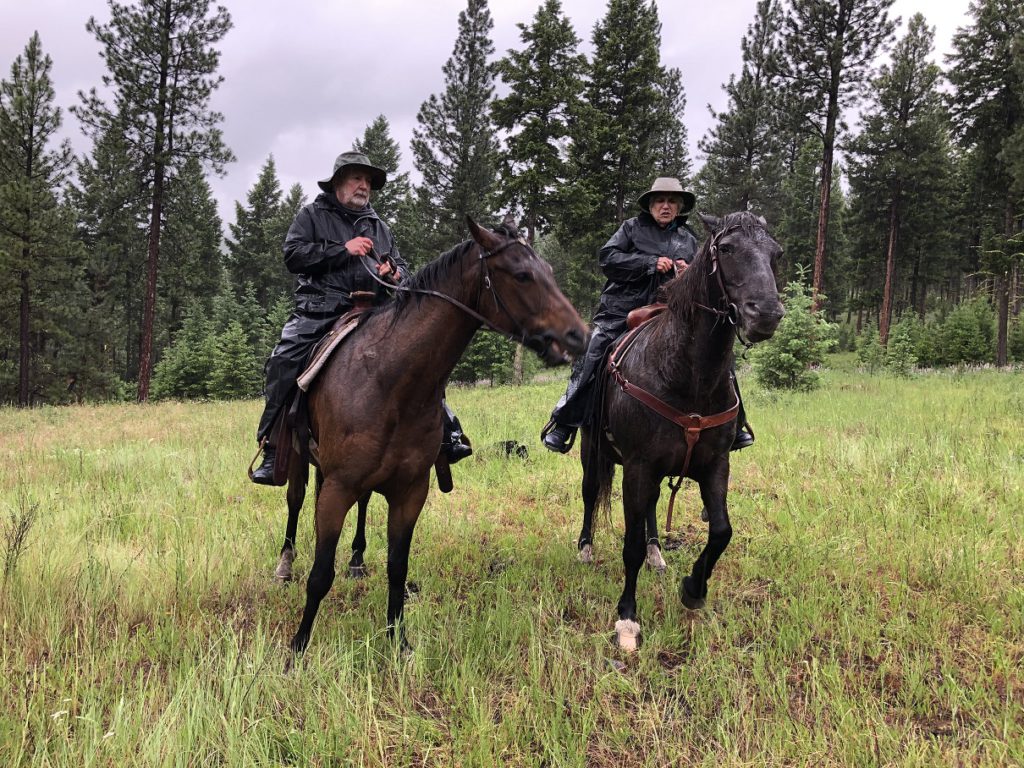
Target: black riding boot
[
  {"x": 264, "y": 473},
  {"x": 573, "y": 408},
  {"x": 454, "y": 443},
  {"x": 744, "y": 434}
]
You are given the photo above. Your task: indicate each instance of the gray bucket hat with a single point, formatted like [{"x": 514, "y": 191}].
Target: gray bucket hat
[
  {"x": 668, "y": 185},
  {"x": 378, "y": 176}
]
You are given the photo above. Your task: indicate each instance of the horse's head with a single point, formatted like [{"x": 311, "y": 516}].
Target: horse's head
[
  {"x": 743, "y": 257},
  {"x": 520, "y": 297}
]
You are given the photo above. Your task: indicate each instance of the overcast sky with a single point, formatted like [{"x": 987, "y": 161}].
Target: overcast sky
[{"x": 303, "y": 78}]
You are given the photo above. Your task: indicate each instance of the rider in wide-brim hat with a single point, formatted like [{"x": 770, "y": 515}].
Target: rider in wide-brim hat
[
  {"x": 667, "y": 185},
  {"x": 378, "y": 176}
]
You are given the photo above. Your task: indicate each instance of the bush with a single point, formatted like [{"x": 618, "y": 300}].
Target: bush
[
  {"x": 186, "y": 367},
  {"x": 968, "y": 334},
  {"x": 788, "y": 359},
  {"x": 869, "y": 349},
  {"x": 899, "y": 353},
  {"x": 1015, "y": 342}
]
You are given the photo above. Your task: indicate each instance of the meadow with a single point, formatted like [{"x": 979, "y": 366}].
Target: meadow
[{"x": 868, "y": 612}]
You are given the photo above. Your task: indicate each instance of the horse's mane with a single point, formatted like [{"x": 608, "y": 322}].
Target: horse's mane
[{"x": 691, "y": 288}]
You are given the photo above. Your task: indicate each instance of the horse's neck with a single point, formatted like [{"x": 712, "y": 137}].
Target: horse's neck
[
  {"x": 436, "y": 333},
  {"x": 695, "y": 349}
]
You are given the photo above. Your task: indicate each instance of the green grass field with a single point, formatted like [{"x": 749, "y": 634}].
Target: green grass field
[{"x": 869, "y": 611}]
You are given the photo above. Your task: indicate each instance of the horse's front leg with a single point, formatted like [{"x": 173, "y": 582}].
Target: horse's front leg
[
  {"x": 332, "y": 504},
  {"x": 639, "y": 492},
  {"x": 693, "y": 589},
  {"x": 298, "y": 475},
  {"x": 403, "y": 511},
  {"x": 356, "y": 568}
]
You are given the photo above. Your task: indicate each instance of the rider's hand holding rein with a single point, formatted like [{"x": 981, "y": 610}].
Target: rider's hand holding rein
[{"x": 359, "y": 246}]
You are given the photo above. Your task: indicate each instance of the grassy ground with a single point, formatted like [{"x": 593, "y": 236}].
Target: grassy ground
[{"x": 869, "y": 610}]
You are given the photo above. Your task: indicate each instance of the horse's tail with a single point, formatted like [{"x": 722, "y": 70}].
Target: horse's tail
[{"x": 598, "y": 463}]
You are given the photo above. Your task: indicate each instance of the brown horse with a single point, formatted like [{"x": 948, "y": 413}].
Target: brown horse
[
  {"x": 671, "y": 409},
  {"x": 375, "y": 410}
]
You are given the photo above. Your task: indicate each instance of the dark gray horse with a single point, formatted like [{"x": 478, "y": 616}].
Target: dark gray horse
[{"x": 670, "y": 408}]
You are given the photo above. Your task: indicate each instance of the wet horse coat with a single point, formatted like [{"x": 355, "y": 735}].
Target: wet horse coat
[
  {"x": 375, "y": 411},
  {"x": 685, "y": 361}
]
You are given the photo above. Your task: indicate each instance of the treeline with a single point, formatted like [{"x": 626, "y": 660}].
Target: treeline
[{"x": 116, "y": 279}]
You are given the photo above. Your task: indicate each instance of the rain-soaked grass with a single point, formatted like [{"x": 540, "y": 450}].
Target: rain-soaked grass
[{"x": 869, "y": 611}]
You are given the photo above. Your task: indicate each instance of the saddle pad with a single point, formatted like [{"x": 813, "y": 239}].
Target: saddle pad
[{"x": 322, "y": 351}]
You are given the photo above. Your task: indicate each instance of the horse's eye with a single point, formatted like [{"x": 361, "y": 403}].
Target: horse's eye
[
  {"x": 523, "y": 277},
  {"x": 725, "y": 248}
]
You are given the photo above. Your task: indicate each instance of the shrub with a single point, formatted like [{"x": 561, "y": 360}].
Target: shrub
[
  {"x": 869, "y": 349},
  {"x": 968, "y": 333},
  {"x": 788, "y": 359},
  {"x": 899, "y": 353}
]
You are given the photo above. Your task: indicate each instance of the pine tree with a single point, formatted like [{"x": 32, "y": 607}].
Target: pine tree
[
  {"x": 986, "y": 69},
  {"x": 830, "y": 46},
  {"x": 745, "y": 149},
  {"x": 671, "y": 156},
  {"x": 190, "y": 250},
  {"x": 110, "y": 202},
  {"x": 454, "y": 144},
  {"x": 544, "y": 79},
  {"x": 36, "y": 252},
  {"x": 893, "y": 165},
  {"x": 162, "y": 64},
  {"x": 255, "y": 246},
  {"x": 383, "y": 151}
]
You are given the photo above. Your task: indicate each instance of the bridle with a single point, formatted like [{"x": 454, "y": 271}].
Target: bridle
[
  {"x": 519, "y": 335},
  {"x": 726, "y": 307}
]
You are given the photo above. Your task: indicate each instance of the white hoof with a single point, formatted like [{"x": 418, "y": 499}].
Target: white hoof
[
  {"x": 284, "y": 566},
  {"x": 654, "y": 558},
  {"x": 586, "y": 554},
  {"x": 627, "y": 634}
]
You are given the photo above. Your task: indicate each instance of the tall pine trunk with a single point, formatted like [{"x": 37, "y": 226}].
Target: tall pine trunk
[
  {"x": 24, "y": 337},
  {"x": 156, "y": 212},
  {"x": 885, "y": 318},
  {"x": 828, "y": 141}
]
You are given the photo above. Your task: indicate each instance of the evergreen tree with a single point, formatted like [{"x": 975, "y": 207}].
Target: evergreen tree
[
  {"x": 111, "y": 208},
  {"x": 255, "y": 246},
  {"x": 544, "y": 79},
  {"x": 162, "y": 64},
  {"x": 37, "y": 260},
  {"x": 987, "y": 72},
  {"x": 190, "y": 251},
  {"x": 745, "y": 149},
  {"x": 894, "y": 166},
  {"x": 454, "y": 145},
  {"x": 671, "y": 155},
  {"x": 830, "y": 46},
  {"x": 384, "y": 152}
]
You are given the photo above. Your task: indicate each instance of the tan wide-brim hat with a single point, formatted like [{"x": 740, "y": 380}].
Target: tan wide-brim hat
[
  {"x": 378, "y": 176},
  {"x": 668, "y": 185}
]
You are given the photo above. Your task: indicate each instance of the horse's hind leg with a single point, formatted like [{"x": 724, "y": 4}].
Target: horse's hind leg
[
  {"x": 593, "y": 468},
  {"x": 356, "y": 568},
  {"x": 332, "y": 504},
  {"x": 654, "y": 558},
  {"x": 403, "y": 512},
  {"x": 693, "y": 589},
  {"x": 298, "y": 474}
]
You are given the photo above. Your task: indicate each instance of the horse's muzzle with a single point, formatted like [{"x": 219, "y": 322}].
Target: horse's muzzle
[
  {"x": 555, "y": 349},
  {"x": 760, "y": 319}
]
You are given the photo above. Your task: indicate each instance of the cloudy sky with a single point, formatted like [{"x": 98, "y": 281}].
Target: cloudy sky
[{"x": 303, "y": 78}]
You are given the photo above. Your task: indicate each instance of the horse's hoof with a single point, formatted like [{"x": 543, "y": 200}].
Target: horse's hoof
[
  {"x": 627, "y": 635},
  {"x": 654, "y": 558},
  {"x": 586, "y": 554},
  {"x": 693, "y": 603},
  {"x": 357, "y": 571},
  {"x": 283, "y": 572}
]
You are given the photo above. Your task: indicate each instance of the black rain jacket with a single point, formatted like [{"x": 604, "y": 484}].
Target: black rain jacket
[
  {"x": 326, "y": 273},
  {"x": 629, "y": 260}
]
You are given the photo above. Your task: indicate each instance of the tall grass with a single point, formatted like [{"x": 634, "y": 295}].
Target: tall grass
[{"x": 869, "y": 610}]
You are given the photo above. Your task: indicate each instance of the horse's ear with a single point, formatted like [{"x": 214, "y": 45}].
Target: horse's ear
[
  {"x": 483, "y": 237},
  {"x": 711, "y": 223}
]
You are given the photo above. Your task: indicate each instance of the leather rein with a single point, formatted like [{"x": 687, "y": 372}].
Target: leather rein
[
  {"x": 692, "y": 423},
  {"x": 520, "y": 336}
]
